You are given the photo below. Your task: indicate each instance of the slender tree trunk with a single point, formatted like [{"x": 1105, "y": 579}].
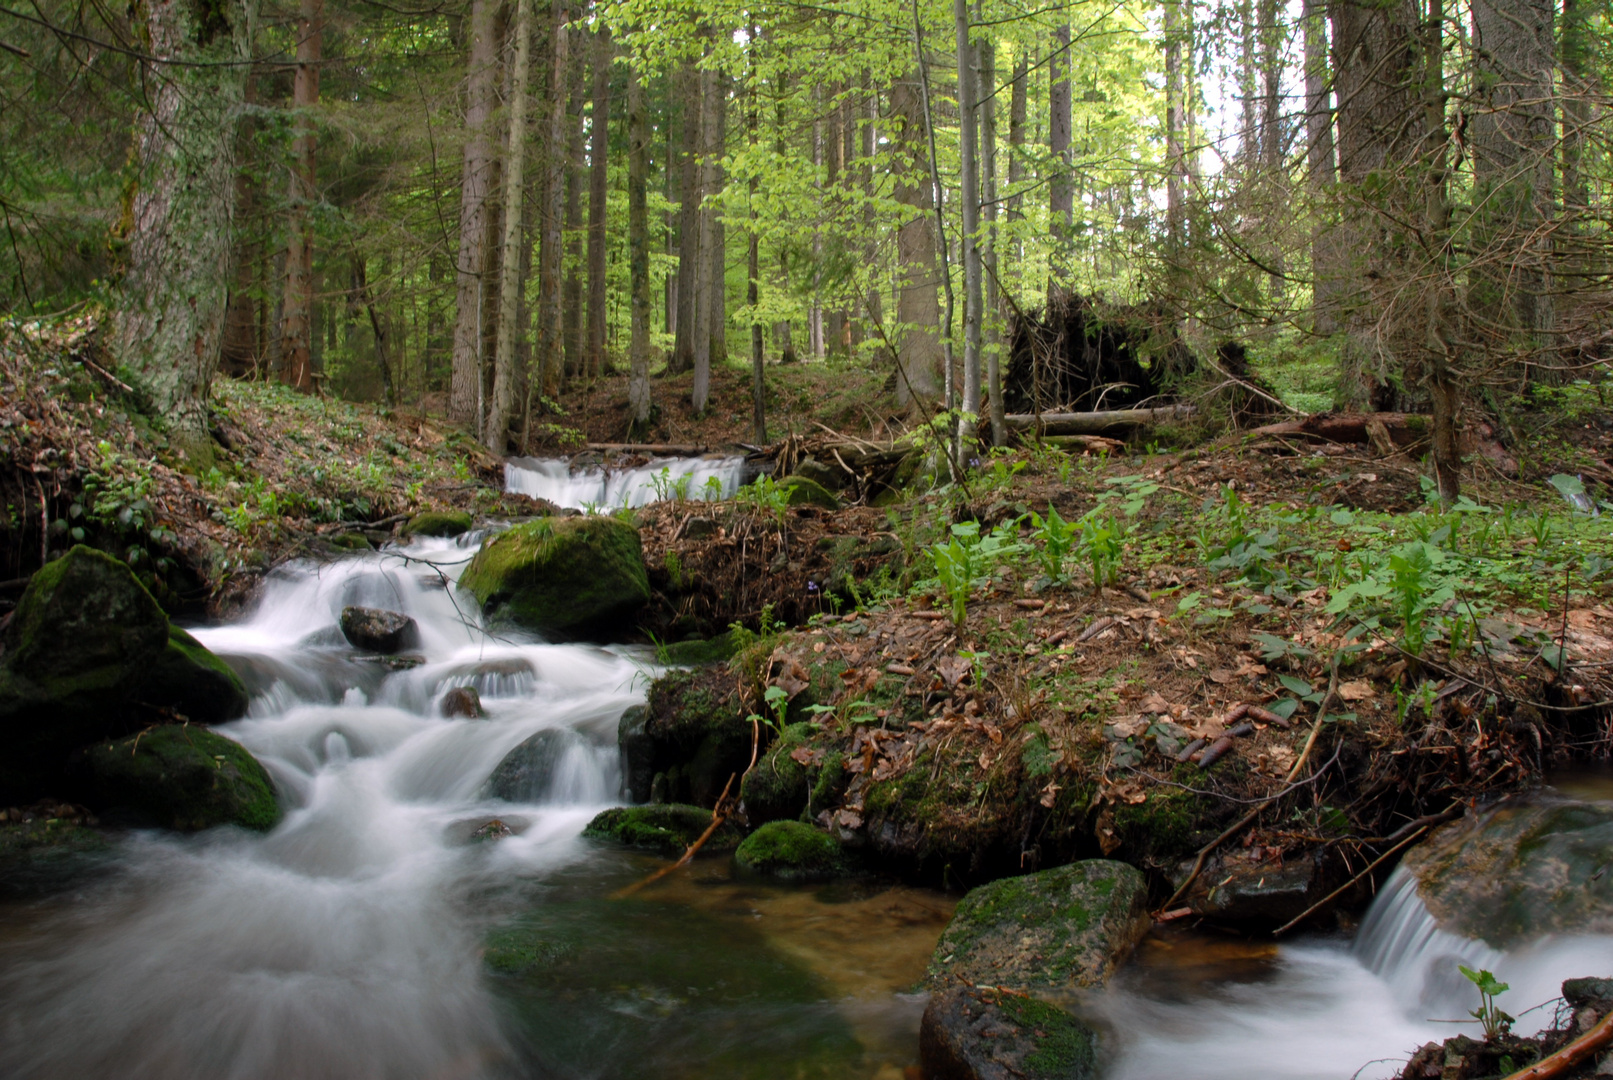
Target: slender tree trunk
[
  {"x": 1175, "y": 148},
  {"x": 918, "y": 309},
  {"x": 170, "y": 314},
  {"x": 692, "y": 101},
  {"x": 970, "y": 197},
  {"x": 502, "y": 410},
  {"x": 1016, "y": 156},
  {"x": 638, "y": 253},
  {"x": 1061, "y": 197},
  {"x": 992, "y": 311},
  {"x": 753, "y": 265},
  {"x": 1320, "y": 177},
  {"x": 465, "y": 392},
  {"x": 1273, "y": 207},
  {"x": 715, "y": 184},
  {"x": 296, "y": 328},
  {"x": 576, "y": 180},
  {"x": 362, "y": 294},
  {"x": 1248, "y": 96},
  {"x": 551, "y": 211},
  {"x": 1439, "y": 299},
  {"x": 700, "y": 390},
  {"x": 598, "y": 192}
]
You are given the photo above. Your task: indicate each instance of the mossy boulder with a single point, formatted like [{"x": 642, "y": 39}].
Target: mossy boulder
[
  {"x": 779, "y": 786},
  {"x": 89, "y": 655},
  {"x": 179, "y": 776},
  {"x": 568, "y": 577},
  {"x": 1525, "y": 868},
  {"x": 804, "y": 491},
  {"x": 438, "y": 523},
  {"x": 668, "y": 828},
  {"x": 691, "y": 737},
  {"x": 791, "y": 851},
  {"x": 1059, "y": 929},
  {"x": 48, "y": 853},
  {"x": 700, "y": 651},
  {"x": 971, "y": 1033}
]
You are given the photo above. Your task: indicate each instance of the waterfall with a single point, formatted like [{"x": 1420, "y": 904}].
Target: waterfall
[
  {"x": 338, "y": 945},
  {"x": 699, "y": 478}
]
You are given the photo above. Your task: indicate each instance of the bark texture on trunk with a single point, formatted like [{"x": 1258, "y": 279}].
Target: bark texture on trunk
[
  {"x": 598, "y": 191},
  {"x": 1060, "y": 192},
  {"x": 551, "y": 212},
  {"x": 296, "y": 327},
  {"x": 502, "y": 410},
  {"x": 918, "y": 307},
  {"x": 638, "y": 251},
  {"x": 1319, "y": 173},
  {"x": 465, "y": 390},
  {"x": 969, "y": 182},
  {"x": 170, "y": 317}
]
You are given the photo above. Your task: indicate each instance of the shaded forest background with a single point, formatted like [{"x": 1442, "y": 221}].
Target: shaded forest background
[{"x": 476, "y": 206}]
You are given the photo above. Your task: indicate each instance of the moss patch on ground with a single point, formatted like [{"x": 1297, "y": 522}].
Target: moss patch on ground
[{"x": 668, "y": 828}]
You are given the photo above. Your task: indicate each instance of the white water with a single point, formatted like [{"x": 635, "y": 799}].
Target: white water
[
  {"x": 337, "y": 946},
  {"x": 1325, "y": 1009},
  {"x": 610, "y": 489}
]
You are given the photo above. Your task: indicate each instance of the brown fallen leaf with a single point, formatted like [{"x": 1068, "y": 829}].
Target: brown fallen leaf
[
  {"x": 1154, "y": 704},
  {"x": 809, "y": 756},
  {"x": 1221, "y": 676},
  {"x": 848, "y": 819},
  {"x": 1049, "y": 795},
  {"x": 952, "y": 669},
  {"x": 1358, "y": 690}
]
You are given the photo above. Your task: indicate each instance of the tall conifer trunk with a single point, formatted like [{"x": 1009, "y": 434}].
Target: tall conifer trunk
[
  {"x": 598, "y": 190},
  {"x": 465, "y": 393},
  {"x": 296, "y": 326},
  {"x": 502, "y": 410}
]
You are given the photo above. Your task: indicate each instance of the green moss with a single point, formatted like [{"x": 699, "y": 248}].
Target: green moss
[
  {"x": 1165, "y": 827},
  {"x": 791, "y": 851},
  {"x": 560, "y": 574},
  {"x": 805, "y": 492},
  {"x": 1036, "y": 756},
  {"x": 829, "y": 785},
  {"x": 194, "y": 682},
  {"x": 510, "y": 950},
  {"x": 84, "y": 619},
  {"x": 709, "y": 651},
  {"x": 778, "y": 787},
  {"x": 351, "y": 541},
  {"x": 438, "y": 523},
  {"x": 668, "y": 828},
  {"x": 1065, "y": 1047},
  {"x": 184, "y": 777}
]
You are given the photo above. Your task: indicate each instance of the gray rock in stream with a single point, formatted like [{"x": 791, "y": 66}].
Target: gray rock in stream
[
  {"x": 529, "y": 772},
  {"x": 378, "y": 631},
  {"x": 970, "y": 1033}
]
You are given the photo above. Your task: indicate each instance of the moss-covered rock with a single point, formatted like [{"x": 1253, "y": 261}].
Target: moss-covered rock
[
  {"x": 48, "y": 853},
  {"x": 178, "y": 776},
  {"x": 89, "y": 655},
  {"x": 1059, "y": 929},
  {"x": 668, "y": 828},
  {"x": 803, "y": 491},
  {"x": 691, "y": 737},
  {"x": 779, "y": 786},
  {"x": 350, "y": 541},
  {"x": 791, "y": 851},
  {"x": 970, "y": 1033},
  {"x": 699, "y": 651},
  {"x": 562, "y": 576},
  {"x": 438, "y": 523}
]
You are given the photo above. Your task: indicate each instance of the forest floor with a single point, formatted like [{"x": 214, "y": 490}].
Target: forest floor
[{"x": 1018, "y": 668}]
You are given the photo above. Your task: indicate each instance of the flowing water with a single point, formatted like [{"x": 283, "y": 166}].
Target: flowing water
[
  {"x": 348, "y": 942},
  {"x": 711, "y": 478}
]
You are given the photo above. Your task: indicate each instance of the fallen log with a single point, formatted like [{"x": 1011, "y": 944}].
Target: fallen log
[
  {"x": 1388, "y": 432},
  {"x": 661, "y": 449},
  {"x": 1094, "y": 423}
]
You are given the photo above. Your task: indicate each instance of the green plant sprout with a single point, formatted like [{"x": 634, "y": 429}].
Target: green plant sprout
[
  {"x": 1057, "y": 538},
  {"x": 1496, "y": 1023},
  {"x": 778, "y": 704}
]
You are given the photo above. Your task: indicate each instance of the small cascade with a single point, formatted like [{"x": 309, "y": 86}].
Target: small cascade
[
  {"x": 1401, "y": 943},
  {"x": 339, "y": 944},
  {"x": 602, "y": 488}
]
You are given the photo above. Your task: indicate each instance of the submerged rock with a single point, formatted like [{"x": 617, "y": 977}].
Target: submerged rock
[
  {"x": 463, "y": 702},
  {"x": 668, "y": 828},
  {"x": 565, "y": 576},
  {"x": 438, "y": 523},
  {"x": 379, "y": 631},
  {"x": 89, "y": 655},
  {"x": 178, "y": 776},
  {"x": 970, "y": 1033},
  {"x": 791, "y": 851},
  {"x": 1525, "y": 868},
  {"x": 1060, "y": 929},
  {"x": 48, "y": 853},
  {"x": 528, "y": 773}
]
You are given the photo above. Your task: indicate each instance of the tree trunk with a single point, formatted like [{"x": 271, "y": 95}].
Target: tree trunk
[
  {"x": 170, "y": 316},
  {"x": 1320, "y": 178},
  {"x": 705, "y": 221},
  {"x": 598, "y": 192},
  {"x": 296, "y": 327},
  {"x": 992, "y": 311},
  {"x": 691, "y": 100},
  {"x": 1175, "y": 145},
  {"x": 551, "y": 211},
  {"x": 715, "y": 183},
  {"x": 576, "y": 180},
  {"x": 918, "y": 309},
  {"x": 969, "y": 137},
  {"x": 638, "y": 253},
  {"x": 753, "y": 267},
  {"x": 1016, "y": 156},
  {"x": 502, "y": 409},
  {"x": 1061, "y": 194},
  {"x": 465, "y": 392},
  {"x": 1272, "y": 208}
]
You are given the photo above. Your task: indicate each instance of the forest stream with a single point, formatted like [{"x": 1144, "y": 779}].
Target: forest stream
[{"x": 349, "y": 942}]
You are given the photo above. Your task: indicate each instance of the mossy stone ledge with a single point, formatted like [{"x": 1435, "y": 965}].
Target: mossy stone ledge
[
  {"x": 1059, "y": 929},
  {"x": 179, "y": 776},
  {"x": 668, "y": 828},
  {"x": 442, "y": 523},
  {"x": 566, "y": 577},
  {"x": 791, "y": 851}
]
